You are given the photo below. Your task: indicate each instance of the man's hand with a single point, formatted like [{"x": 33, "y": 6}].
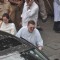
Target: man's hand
[{"x": 40, "y": 47}]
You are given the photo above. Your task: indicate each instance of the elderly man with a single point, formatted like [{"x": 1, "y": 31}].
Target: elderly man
[
  {"x": 31, "y": 34},
  {"x": 30, "y": 12}
]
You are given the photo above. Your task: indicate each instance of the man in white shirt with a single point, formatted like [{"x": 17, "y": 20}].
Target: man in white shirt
[
  {"x": 31, "y": 34},
  {"x": 30, "y": 12},
  {"x": 56, "y": 26}
]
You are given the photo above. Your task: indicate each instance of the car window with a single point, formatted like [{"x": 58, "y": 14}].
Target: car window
[
  {"x": 33, "y": 54},
  {"x": 8, "y": 42}
]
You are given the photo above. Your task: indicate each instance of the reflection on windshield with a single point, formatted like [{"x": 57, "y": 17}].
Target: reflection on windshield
[
  {"x": 31, "y": 54},
  {"x": 8, "y": 42},
  {"x": 12, "y": 56}
]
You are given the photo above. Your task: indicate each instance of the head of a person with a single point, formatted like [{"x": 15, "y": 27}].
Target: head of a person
[
  {"x": 6, "y": 18},
  {"x": 31, "y": 26}
]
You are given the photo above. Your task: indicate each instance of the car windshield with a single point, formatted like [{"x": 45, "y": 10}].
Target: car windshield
[{"x": 31, "y": 54}]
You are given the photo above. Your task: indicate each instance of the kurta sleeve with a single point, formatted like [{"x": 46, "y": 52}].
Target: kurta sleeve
[
  {"x": 30, "y": 12},
  {"x": 33, "y": 11},
  {"x": 39, "y": 40},
  {"x": 13, "y": 29}
]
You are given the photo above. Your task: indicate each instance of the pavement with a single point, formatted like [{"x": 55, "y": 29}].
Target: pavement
[{"x": 51, "y": 39}]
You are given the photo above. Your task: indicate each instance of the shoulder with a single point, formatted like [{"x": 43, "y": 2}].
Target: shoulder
[
  {"x": 37, "y": 31},
  {"x": 24, "y": 28},
  {"x": 35, "y": 6},
  {"x": 12, "y": 24}
]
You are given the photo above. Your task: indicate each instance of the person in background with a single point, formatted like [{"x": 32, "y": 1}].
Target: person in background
[
  {"x": 56, "y": 26},
  {"x": 42, "y": 10},
  {"x": 17, "y": 6},
  {"x": 31, "y": 34},
  {"x": 7, "y": 25},
  {"x": 30, "y": 12},
  {"x": 5, "y": 7}
]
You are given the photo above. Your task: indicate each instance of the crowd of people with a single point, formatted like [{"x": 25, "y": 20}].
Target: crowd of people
[{"x": 20, "y": 18}]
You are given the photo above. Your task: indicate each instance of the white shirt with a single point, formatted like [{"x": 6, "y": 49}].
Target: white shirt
[
  {"x": 56, "y": 11},
  {"x": 30, "y": 14},
  {"x": 8, "y": 27},
  {"x": 34, "y": 37}
]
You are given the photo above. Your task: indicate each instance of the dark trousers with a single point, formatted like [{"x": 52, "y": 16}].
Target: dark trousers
[{"x": 56, "y": 26}]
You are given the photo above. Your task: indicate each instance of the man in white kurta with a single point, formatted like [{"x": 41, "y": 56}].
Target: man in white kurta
[
  {"x": 33, "y": 37},
  {"x": 29, "y": 13},
  {"x": 56, "y": 10},
  {"x": 56, "y": 15}
]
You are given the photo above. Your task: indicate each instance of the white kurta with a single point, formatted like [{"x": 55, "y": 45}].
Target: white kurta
[
  {"x": 56, "y": 11},
  {"x": 8, "y": 27},
  {"x": 31, "y": 14},
  {"x": 34, "y": 37}
]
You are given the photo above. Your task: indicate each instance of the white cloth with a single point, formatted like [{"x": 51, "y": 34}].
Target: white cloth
[
  {"x": 34, "y": 37},
  {"x": 12, "y": 56},
  {"x": 31, "y": 14},
  {"x": 56, "y": 11},
  {"x": 8, "y": 27}
]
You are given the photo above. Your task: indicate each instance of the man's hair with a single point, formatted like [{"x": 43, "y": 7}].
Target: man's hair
[{"x": 31, "y": 22}]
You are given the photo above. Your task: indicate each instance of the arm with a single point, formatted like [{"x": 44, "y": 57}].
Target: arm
[
  {"x": 13, "y": 29},
  {"x": 30, "y": 12},
  {"x": 33, "y": 11},
  {"x": 39, "y": 40}
]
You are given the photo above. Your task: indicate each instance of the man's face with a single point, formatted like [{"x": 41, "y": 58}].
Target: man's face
[{"x": 31, "y": 28}]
